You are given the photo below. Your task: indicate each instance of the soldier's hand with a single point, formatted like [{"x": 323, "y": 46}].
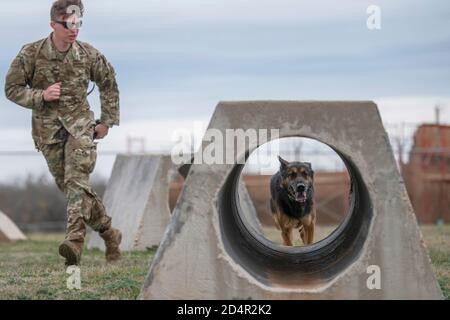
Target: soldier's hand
[
  {"x": 101, "y": 130},
  {"x": 53, "y": 92}
]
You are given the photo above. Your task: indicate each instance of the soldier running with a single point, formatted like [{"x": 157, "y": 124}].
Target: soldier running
[{"x": 51, "y": 77}]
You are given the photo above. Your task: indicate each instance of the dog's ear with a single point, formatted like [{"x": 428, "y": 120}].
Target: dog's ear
[
  {"x": 308, "y": 164},
  {"x": 283, "y": 163}
]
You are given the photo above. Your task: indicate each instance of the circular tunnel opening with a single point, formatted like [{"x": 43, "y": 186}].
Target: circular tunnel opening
[
  {"x": 297, "y": 266},
  {"x": 314, "y": 165}
]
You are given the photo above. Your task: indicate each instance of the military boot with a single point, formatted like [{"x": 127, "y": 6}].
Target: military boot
[
  {"x": 71, "y": 250},
  {"x": 112, "y": 238}
]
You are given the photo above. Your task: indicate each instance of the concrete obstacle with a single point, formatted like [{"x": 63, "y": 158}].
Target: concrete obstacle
[
  {"x": 208, "y": 251},
  {"x": 8, "y": 230},
  {"x": 248, "y": 209},
  {"x": 137, "y": 199},
  {"x": 250, "y": 216}
]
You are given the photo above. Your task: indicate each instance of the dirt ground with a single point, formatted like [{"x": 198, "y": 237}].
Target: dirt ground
[{"x": 321, "y": 232}]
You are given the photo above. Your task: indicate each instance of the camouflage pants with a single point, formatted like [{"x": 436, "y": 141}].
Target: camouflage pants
[{"x": 71, "y": 162}]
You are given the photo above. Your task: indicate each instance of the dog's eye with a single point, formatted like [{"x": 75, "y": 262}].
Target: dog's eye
[{"x": 292, "y": 174}]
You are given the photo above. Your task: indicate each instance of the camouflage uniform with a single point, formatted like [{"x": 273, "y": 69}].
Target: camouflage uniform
[{"x": 63, "y": 129}]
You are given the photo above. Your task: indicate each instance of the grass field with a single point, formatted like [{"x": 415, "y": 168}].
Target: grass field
[
  {"x": 437, "y": 239},
  {"x": 32, "y": 269}
]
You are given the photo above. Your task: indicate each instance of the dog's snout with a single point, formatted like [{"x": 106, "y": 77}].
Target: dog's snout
[{"x": 301, "y": 187}]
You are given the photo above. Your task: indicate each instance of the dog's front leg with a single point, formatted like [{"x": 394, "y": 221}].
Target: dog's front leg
[
  {"x": 310, "y": 233},
  {"x": 302, "y": 234},
  {"x": 286, "y": 234},
  {"x": 308, "y": 223}
]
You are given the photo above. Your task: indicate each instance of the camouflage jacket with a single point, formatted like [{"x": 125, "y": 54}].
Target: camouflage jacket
[{"x": 37, "y": 66}]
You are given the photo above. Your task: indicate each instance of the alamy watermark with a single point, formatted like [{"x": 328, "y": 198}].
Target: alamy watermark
[
  {"x": 374, "y": 280},
  {"x": 74, "y": 12},
  {"x": 73, "y": 282},
  {"x": 221, "y": 146},
  {"x": 374, "y": 19}
]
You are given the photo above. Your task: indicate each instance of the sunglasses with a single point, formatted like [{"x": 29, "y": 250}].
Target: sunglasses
[{"x": 70, "y": 25}]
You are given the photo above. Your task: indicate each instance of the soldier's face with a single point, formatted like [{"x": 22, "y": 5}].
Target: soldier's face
[{"x": 66, "y": 28}]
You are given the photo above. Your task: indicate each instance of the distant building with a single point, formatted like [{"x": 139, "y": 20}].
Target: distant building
[{"x": 427, "y": 175}]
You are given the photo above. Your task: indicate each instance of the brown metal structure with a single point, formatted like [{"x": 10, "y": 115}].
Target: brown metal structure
[{"x": 427, "y": 174}]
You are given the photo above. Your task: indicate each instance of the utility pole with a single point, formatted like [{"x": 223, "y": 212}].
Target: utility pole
[{"x": 437, "y": 113}]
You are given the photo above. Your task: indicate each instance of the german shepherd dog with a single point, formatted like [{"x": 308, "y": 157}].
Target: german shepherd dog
[{"x": 292, "y": 200}]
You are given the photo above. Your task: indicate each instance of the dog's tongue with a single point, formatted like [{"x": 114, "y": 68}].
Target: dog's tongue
[{"x": 301, "y": 196}]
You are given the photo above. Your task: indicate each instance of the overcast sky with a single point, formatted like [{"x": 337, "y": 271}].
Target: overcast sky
[{"x": 176, "y": 59}]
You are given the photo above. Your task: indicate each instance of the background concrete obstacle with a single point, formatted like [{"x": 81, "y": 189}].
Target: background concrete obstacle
[
  {"x": 136, "y": 198},
  {"x": 376, "y": 253},
  {"x": 8, "y": 230}
]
